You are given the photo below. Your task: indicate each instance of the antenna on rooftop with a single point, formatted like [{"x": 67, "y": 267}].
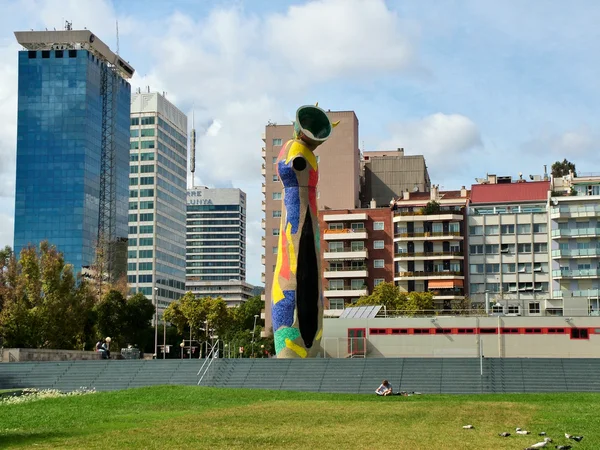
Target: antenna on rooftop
[
  {"x": 117, "y": 24},
  {"x": 193, "y": 150},
  {"x": 68, "y": 25}
]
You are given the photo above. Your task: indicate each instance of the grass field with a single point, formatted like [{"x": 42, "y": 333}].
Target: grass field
[{"x": 177, "y": 417}]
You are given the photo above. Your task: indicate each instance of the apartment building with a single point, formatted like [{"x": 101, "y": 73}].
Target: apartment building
[
  {"x": 429, "y": 239},
  {"x": 574, "y": 221},
  {"x": 356, "y": 254},
  {"x": 387, "y": 174},
  {"x": 508, "y": 245},
  {"x": 339, "y": 167}
]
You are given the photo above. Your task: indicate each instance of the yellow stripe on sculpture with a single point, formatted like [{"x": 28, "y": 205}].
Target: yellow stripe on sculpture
[
  {"x": 276, "y": 292},
  {"x": 291, "y": 252},
  {"x": 298, "y": 149},
  {"x": 297, "y": 349}
]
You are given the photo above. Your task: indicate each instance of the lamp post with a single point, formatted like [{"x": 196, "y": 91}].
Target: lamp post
[
  {"x": 155, "y": 322},
  {"x": 182, "y": 346},
  {"x": 164, "y": 336},
  {"x": 253, "y": 333}
]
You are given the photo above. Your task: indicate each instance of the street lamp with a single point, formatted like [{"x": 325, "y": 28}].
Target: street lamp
[
  {"x": 155, "y": 322},
  {"x": 253, "y": 331},
  {"x": 182, "y": 345}
]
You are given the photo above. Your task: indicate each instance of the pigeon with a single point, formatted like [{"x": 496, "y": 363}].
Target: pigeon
[
  {"x": 563, "y": 447},
  {"x": 519, "y": 431},
  {"x": 505, "y": 434},
  {"x": 575, "y": 438},
  {"x": 538, "y": 445},
  {"x": 468, "y": 427},
  {"x": 542, "y": 433}
]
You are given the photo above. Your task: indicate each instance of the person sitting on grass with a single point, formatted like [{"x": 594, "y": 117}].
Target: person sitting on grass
[{"x": 385, "y": 389}]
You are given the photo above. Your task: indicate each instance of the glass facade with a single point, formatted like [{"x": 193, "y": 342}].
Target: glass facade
[{"x": 59, "y": 148}]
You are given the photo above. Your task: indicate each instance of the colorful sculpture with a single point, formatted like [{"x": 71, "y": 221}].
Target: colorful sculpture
[{"x": 297, "y": 297}]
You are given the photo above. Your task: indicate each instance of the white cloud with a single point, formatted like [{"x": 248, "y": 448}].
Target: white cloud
[
  {"x": 8, "y": 117},
  {"x": 578, "y": 145},
  {"x": 7, "y": 225},
  {"x": 446, "y": 140}
]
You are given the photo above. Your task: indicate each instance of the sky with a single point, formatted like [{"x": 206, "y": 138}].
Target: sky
[{"x": 476, "y": 86}]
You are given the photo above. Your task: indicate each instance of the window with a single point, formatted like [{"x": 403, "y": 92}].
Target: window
[
  {"x": 135, "y": 121},
  {"x": 476, "y": 230},
  {"x": 147, "y": 144},
  {"x": 133, "y": 182},
  {"x": 491, "y": 230},
  {"x": 524, "y": 268},
  {"x": 146, "y": 241},
  {"x": 146, "y": 180},
  {"x": 378, "y": 225},
  {"x": 132, "y": 230},
  {"x": 507, "y": 229},
  {"x": 492, "y": 249},
  {"x": 275, "y": 177},
  {"x": 274, "y": 159},
  {"x": 276, "y": 195},
  {"x": 147, "y": 132},
  {"x": 524, "y": 248},
  {"x": 509, "y": 268},
  {"x": 493, "y": 287},
  {"x": 336, "y": 226},
  {"x": 540, "y": 267},
  {"x": 378, "y": 281},
  {"x": 534, "y": 307},
  {"x": 509, "y": 287},
  {"x": 513, "y": 309},
  {"x": 131, "y": 266},
  {"x": 454, "y": 227},
  {"x": 357, "y": 284},
  {"x": 437, "y": 227},
  {"x": 507, "y": 248},
  {"x": 277, "y": 142},
  {"x": 134, "y": 157},
  {"x": 147, "y": 204},
  {"x": 378, "y": 264},
  {"x": 146, "y": 217},
  {"x": 133, "y": 169},
  {"x": 476, "y": 249},
  {"x": 579, "y": 333},
  {"x": 476, "y": 288},
  {"x": 146, "y": 229},
  {"x": 132, "y": 218},
  {"x": 378, "y": 245},
  {"x": 147, "y": 121},
  {"x": 145, "y": 278},
  {"x": 133, "y": 206},
  {"x": 146, "y": 192},
  {"x": 275, "y": 232},
  {"x": 147, "y": 169},
  {"x": 147, "y": 156},
  {"x": 524, "y": 228},
  {"x": 336, "y": 246},
  {"x": 357, "y": 226},
  {"x": 492, "y": 268},
  {"x": 476, "y": 268},
  {"x": 539, "y": 228},
  {"x": 145, "y": 253},
  {"x": 336, "y": 285},
  {"x": 541, "y": 247},
  {"x": 357, "y": 246},
  {"x": 276, "y": 214},
  {"x": 336, "y": 303}
]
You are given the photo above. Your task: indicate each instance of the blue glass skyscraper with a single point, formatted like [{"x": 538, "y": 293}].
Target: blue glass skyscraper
[{"x": 73, "y": 115}]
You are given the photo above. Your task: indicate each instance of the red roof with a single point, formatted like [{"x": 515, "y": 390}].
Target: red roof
[{"x": 509, "y": 193}]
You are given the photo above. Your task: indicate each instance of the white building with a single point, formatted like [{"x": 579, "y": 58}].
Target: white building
[
  {"x": 508, "y": 245},
  {"x": 216, "y": 244},
  {"x": 575, "y": 224},
  {"x": 157, "y": 195}
]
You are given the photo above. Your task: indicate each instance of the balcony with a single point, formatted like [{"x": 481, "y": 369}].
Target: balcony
[
  {"x": 565, "y": 212},
  {"x": 263, "y": 278},
  {"x": 411, "y": 256},
  {"x": 264, "y": 153},
  {"x": 346, "y": 254},
  {"x": 263, "y": 223},
  {"x": 347, "y": 272},
  {"x": 264, "y": 137},
  {"x": 576, "y": 273},
  {"x": 575, "y": 232},
  {"x": 264, "y": 188},
  {"x": 403, "y": 235},
  {"x": 263, "y": 169},
  {"x": 351, "y": 217},
  {"x": 576, "y": 253},
  {"x": 264, "y": 206},
  {"x": 346, "y": 292},
  {"x": 262, "y": 260},
  {"x": 448, "y": 294},
  {"x": 346, "y": 233},
  {"x": 593, "y": 293},
  {"x": 422, "y": 275},
  {"x": 417, "y": 216},
  {"x": 263, "y": 241}
]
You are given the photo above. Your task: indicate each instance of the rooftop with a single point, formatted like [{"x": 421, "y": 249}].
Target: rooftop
[{"x": 510, "y": 192}]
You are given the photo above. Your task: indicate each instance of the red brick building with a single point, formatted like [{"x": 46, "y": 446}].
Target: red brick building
[{"x": 357, "y": 253}]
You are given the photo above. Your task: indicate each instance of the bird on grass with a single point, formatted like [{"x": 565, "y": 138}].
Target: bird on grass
[
  {"x": 542, "y": 433},
  {"x": 539, "y": 444},
  {"x": 519, "y": 431},
  {"x": 468, "y": 427},
  {"x": 575, "y": 438},
  {"x": 504, "y": 434},
  {"x": 563, "y": 447}
]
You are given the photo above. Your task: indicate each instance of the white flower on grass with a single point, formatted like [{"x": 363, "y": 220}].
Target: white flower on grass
[{"x": 33, "y": 394}]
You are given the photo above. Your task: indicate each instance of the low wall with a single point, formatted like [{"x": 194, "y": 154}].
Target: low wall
[{"x": 40, "y": 354}]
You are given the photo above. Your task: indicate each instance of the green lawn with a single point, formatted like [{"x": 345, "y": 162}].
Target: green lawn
[{"x": 179, "y": 417}]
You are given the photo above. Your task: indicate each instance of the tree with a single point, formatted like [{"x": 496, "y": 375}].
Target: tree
[
  {"x": 111, "y": 313},
  {"x": 385, "y": 294},
  {"x": 418, "y": 303},
  {"x": 137, "y": 317},
  {"x": 563, "y": 168},
  {"x": 432, "y": 207}
]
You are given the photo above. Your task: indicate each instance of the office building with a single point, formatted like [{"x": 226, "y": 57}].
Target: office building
[
  {"x": 157, "y": 198},
  {"x": 356, "y": 254},
  {"x": 387, "y": 174},
  {"x": 72, "y": 148},
  {"x": 216, "y": 244},
  {"x": 339, "y": 167},
  {"x": 508, "y": 245},
  {"x": 429, "y": 239},
  {"x": 574, "y": 221}
]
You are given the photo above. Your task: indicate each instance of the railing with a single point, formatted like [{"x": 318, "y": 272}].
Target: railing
[
  {"x": 421, "y": 213},
  {"x": 576, "y": 232},
  {"x": 442, "y": 292},
  {"x": 576, "y": 273},
  {"x": 403, "y": 233},
  {"x": 576, "y": 210},
  {"x": 346, "y": 230},
  {"x": 345, "y": 269},
  {"x": 414, "y": 254},
  {"x": 576, "y": 252},
  {"x": 212, "y": 355},
  {"x": 430, "y": 274},
  {"x": 346, "y": 288},
  {"x": 346, "y": 250},
  {"x": 592, "y": 293}
]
